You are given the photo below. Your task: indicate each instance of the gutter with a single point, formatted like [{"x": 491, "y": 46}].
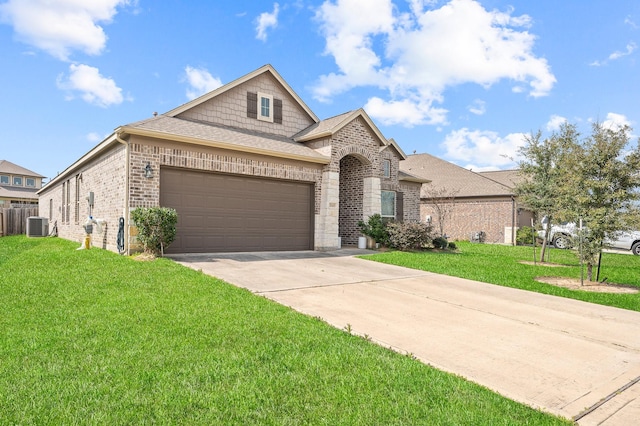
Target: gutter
[{"x": 126, "y": 191}]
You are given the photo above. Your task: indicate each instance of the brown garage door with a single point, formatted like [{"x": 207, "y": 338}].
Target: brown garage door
[{"x": 227, "y": 213}]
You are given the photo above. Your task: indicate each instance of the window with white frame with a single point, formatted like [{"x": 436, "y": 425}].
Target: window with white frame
[
  {"x": 4, "y": 180},
  {"x": 17, "y": 181},
  {"x": 265, "y": 107},
  {"x": 30, "y": 182},
  {"x": 388, "y": 203},
  {"x": 386, "y": 168}
]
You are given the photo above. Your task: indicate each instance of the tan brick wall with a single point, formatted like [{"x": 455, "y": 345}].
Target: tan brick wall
[
  {"x": 105, "y": 177},
  {"x": 411, "y": 200},
  {"x": 491, "y": 217},
  {"x": 230, "y": 109}
]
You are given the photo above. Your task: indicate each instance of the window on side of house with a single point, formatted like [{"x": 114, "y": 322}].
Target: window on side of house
[
  {"x": 77, "y": 203},
  {"x": 64, "y": 202},
  {"x": 17, "y": 181},
  {"x": 4, "y": 180},
  {"x": 386, "y": 168},
  {"x": 30, "y": 182},
  {"x": 50, "y": 208},
  {"x": 388, "y": 204},
  {"x": 265, "y": 107}
]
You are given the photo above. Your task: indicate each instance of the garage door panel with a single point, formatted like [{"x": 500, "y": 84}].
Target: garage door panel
[{"x": 236, "y": 213}]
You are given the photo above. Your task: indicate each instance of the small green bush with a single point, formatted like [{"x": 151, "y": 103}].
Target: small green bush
[
  {"x": 409, "y": 235},
  {"x": 376, "y": 228},
  {"x": 452, "y": 246},
  {"x": 440, "y": 243},
  {"x": 525, "y": 235},
  {"x": 156, "y": 227}
]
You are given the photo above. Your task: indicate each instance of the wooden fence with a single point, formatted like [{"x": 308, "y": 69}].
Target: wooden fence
[{"x": 14, "y": 221}]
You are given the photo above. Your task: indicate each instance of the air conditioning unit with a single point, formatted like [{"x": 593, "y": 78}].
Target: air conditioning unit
[{"x": 37, "y": 226}]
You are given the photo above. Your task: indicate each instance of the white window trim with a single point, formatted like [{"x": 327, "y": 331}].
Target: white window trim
[
  {"x": 8, "y": 182},
  {"x": 26, "y": 182},
  {"x": 18, "y": 184},
  {"x": 261, "y": 117},
  {"x": 394, "y": 204}
]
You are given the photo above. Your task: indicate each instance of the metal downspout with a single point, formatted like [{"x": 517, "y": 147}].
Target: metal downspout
[{"x": 126, "y": 191}]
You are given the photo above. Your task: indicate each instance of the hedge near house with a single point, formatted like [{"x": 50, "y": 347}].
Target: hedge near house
[{"x": 156, "y": 227}]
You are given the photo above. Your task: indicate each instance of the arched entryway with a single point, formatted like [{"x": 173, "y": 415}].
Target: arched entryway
[{"x": 353, "y": 171}]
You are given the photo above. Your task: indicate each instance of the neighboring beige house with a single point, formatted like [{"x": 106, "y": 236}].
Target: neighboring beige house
[
  {"x": 474, "y": 202},
  {"x": 18, "y": 186},
  {"x": 248, "y": 167}
]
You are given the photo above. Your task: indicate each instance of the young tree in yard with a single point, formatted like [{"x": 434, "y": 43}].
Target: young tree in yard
[
  {"x": 602, "y": 183},
  {"x": 442, "y": 199},
  {"x": 543, "y": 169}
]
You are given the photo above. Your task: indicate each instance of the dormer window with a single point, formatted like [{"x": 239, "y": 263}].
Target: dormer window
[
  {"x": 4, "y": 180},
  {"x": 17, "y": 181},
  {"x": 31, "y": 182},
  {"x": 265, "y": 107}
]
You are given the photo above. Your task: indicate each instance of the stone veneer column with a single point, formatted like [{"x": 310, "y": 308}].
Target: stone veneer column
[
  {"x": 326, "y": 225},
  {"x": 371, "y": 198}
]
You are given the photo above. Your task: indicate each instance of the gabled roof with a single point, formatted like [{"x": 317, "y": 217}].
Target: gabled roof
[
  {"x": 394, "y": 144},
  {"x": 331, "y": 126},
  {"x": 264, "y": 69},
  {"x": 219, "y": 136},
  {"x": 458, "y": 181},
  {"x": 408, "y": 177},
  {"x": 13, "y": 169},
  {"x": 508, "y": 178}
]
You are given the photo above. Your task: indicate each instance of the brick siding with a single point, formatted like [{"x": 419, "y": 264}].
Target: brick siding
[{"x": 469, "y": 217}]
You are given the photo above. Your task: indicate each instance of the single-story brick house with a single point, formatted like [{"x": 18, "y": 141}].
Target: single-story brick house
[
  {"x": 18, "y": 186},
  {"x": 474, "y": 202},
  {"x": 248, "y": 167}
]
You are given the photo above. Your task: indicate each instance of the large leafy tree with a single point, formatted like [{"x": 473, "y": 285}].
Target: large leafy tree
[
  {"x": 543, "y": 168},
  {"x": 593, "y": 181},
  {"x": 601, "y": 182}
]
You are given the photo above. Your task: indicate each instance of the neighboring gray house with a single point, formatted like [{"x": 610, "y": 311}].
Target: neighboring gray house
[
  {"x": 248, "y": 167},
  {"x": 18, "y": 186},
  {"x": 475, "y": 202}
]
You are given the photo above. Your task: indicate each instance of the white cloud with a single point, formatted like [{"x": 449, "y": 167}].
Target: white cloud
[
  {"x": 265, "y": 21},
  {"x": 406, "y": 112},
  {"x": 485, "y": 149},
  {"x": 95, "y": 88},
  {"x": 554, "y": 123},
  {"x": 94, "y": 137},
  {"x": 61, "y": 26},
  {"x": 200, "y": 82},
  {"x": 478, "y": 107},
  {"x": 615, "y": 121},
  {"x": 630, "y": 22},
  {"x": 630, "y": 48},
  {"x": 425, "y": 52}
]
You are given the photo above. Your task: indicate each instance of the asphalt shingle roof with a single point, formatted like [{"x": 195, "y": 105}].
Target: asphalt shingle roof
[
  {"x": 208, "y": 132},
  {"x": 10, "y": 168},
  {"x": 459, "y": 181}
]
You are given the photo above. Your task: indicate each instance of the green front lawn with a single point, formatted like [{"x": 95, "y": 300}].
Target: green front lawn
[
  {"x": 498, "y": 264},
  {"x": 90, "y": 337}
]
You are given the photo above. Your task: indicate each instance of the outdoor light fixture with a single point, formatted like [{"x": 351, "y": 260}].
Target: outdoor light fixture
[{"x": 148, "y": 171}]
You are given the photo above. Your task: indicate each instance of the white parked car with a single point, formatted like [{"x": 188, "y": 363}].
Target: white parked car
[{"x": 562, "y": 236}]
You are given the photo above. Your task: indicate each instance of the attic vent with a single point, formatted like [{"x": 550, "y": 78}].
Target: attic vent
[{"x": 37, "y": 226}]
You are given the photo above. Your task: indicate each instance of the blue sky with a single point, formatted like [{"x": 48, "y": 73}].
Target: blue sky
[{"x": 461, "y": 79}]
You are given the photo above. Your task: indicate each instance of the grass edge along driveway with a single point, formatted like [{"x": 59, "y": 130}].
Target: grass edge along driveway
[
  {"x": 91, "y": 337},
  {"x": 502, "y": 265}
]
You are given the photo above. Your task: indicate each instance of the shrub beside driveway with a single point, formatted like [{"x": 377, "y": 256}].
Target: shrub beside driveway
[{"x": 91, "y": 337}]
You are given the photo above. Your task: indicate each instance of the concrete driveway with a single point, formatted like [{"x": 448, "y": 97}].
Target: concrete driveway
[{"x": 570, "y": 358}]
